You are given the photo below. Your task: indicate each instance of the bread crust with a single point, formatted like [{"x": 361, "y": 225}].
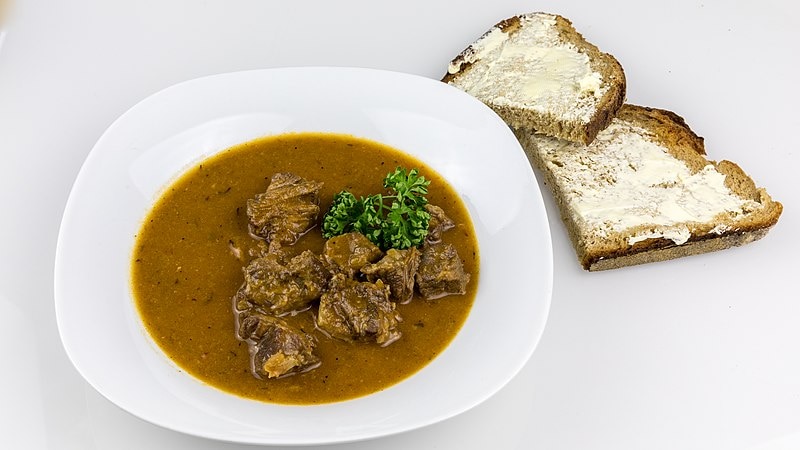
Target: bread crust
[
  {"x": 682, "y": 143},
  {"x": 611, "y": 71},
  {"x": 658, "y": 254}
]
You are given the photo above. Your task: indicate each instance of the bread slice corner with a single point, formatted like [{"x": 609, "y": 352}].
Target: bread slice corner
[
  {"x": 643, "y": 191},
  {"x": 536, "y": 71}
]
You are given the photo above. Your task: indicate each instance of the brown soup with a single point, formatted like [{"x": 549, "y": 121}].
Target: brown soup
[{"x": 185, "y": 271}]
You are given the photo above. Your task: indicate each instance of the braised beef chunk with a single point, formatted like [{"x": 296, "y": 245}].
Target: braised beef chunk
[
  {"x": 282, "y": 287},
  {"x": 441, "y": 272},
  {"x": 277, "y": 349},
  {"x": 358, "y": 311},
  {"x": 438, "y": 224},
  {"x": 288, "y": 208},
  {"x": 353, "y": 286},
  {"x": 251, "y": 324},
  {"x": 397, "y": 269},
  {"x": 240, "y": 301},
  {"x": 350, "y": 252}
]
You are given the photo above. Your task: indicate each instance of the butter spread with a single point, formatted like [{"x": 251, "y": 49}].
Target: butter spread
[
  {"x": 625, "y": 180},
  {"x": 532, "y": 68}
]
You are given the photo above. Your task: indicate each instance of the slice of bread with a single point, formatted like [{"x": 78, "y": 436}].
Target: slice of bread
[
  {"x": 643, "y": 191},
  {"x": 536, "y": 71}
]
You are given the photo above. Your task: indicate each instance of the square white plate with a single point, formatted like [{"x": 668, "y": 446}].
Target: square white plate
[{"x": 157, "y": 139}]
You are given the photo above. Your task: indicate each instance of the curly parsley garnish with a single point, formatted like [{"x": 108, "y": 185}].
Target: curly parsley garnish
[{"x": 397, "y": 220}]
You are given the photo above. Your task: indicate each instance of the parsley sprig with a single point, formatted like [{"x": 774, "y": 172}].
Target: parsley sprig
[{"x": 396, "y": 220}]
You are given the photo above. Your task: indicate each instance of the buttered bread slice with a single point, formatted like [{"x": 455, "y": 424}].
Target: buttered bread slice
[
  {"x": 536, "y": 71},
  {"x": 643, "y": 191}
]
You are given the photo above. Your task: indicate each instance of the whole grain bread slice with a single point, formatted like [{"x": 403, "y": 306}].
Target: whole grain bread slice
[
  {"x": 643, "y": 191},
  {"x": 536, "y": 71}
]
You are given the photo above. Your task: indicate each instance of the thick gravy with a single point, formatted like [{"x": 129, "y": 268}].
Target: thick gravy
[{"x": 185, "y": 269}]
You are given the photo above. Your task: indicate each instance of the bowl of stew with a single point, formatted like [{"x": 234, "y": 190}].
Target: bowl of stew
[{"x": 158, "y": 246}]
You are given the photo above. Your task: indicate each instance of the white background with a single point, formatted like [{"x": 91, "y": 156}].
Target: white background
[{"x": 697, "y": 353}]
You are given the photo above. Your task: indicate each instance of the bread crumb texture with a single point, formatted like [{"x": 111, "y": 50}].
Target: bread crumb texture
[
  {"x": 643, "y": 184},
  {"x": 527, "y": 62}
]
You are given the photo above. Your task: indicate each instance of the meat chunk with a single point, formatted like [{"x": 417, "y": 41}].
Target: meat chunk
[
  {"x": 350, "y": 252},
  {"x": 358, "y": 311},
  {"x": 397, "y": 269},
  {"x": 280, "y": 287},
  {"x": 441, "y": 272},
  {"x": 438, "y": 224},
  {"x": 276, "y": 348},
  {"x": 240, "y": 301},
  {"x": 287, "y": 210}
]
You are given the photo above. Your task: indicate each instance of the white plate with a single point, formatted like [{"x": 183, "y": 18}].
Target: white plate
[{"x": 166, "y": 133}]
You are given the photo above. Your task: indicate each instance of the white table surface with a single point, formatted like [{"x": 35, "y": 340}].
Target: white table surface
[{"x": 698, "y": 353}]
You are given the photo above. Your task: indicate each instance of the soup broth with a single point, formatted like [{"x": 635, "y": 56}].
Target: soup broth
[{"x": 189, "y": 253}]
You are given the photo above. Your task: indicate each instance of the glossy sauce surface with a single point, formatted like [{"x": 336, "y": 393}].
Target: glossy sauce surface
[{"x": 185, "y": 269}]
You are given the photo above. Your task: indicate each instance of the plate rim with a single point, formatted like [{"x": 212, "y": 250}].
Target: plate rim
[{"x": 68, "y": 210}]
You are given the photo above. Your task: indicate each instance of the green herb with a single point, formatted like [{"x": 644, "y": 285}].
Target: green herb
[{"x": 396, "y": 220}]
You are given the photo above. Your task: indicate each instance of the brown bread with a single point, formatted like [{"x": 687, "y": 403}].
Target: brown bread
[
  {"x": 536, "y": 71},
  {"x": 644, "y": 191}
]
